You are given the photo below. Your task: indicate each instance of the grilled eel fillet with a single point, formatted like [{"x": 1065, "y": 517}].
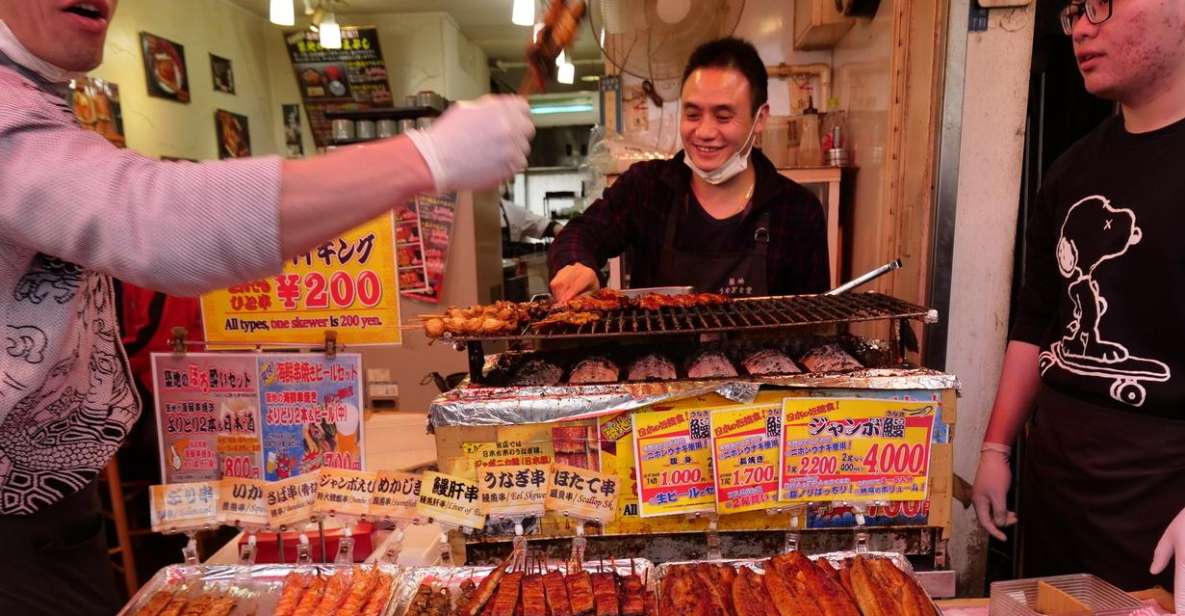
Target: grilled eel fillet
[
  {"x": 557, "y": 594},
  {"x": 749, "y": 596},
  {"x": 506, "y": 599},
  {"x": 485, "y": 591},
  {"x": 810, "y": 581},
  {"x": 881, "y": 589},
  {"x": 683, "y": 595},
  {"x": 718, "y": 594},
  {"x": 605, "y": 594},
  {"x": 580, "y": 592},
  {"x": 534, "y": 597},
  {"x": 633, "y": 602}
]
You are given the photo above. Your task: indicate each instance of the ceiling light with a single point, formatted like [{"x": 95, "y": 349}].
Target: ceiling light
[
  {"x": 331, "y": 32},
  {"x": 523, "y": 13},
  {"x": 567, "y": 74},
  {"x": 282, "y": 13}
]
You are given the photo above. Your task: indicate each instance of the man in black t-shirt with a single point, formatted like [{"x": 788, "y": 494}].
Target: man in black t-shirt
[{"x": 1098, "y": 344}]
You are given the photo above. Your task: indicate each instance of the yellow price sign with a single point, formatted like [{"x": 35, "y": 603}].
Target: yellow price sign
[
  {"x": 178, "y": 507},
  {"x": 451, "y": 500},
  {"x": 344, "y": 492},
  {"x": 241, "y": 503},
  {"x": 672, "y": 451},
  {"x": 746, "y": 443},
  {"x": 856, "y": 449}
]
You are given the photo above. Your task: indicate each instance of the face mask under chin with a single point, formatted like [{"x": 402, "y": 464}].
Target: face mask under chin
[{"x": 734, "y": 166}]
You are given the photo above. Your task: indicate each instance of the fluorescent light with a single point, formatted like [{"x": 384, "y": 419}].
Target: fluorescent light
[
  {"x": 591, "y": 78},
  {"x": 331, "y": 32},
  {"x": 523, "y": 13},
  {"x": 282, "y": 13},
  {"x": 567, "y": 74},
  {"x": 550, "y": 109},
  {"x": 561, "y": 59}
]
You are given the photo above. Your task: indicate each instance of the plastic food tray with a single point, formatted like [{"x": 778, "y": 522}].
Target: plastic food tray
[{"x": 1018, "y": 597}]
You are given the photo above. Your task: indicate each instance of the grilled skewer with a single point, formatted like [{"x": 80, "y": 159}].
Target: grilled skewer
[
  {"x": 557, "y": 594},
  {"x": 580, "y": 593}
]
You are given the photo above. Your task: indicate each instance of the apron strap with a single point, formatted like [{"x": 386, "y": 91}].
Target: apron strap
[{"x": 667, "y": 260}]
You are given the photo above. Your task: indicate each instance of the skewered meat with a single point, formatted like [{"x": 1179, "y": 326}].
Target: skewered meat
[
  {"x": 156, "y": 604},
  {"x": 580, "y": 592},
  {"x": 633, "y": 602},
  {"x": 534, "y": 602},
  {"x": 711, "y": 364},
  {"x": 605, "y": 594},
  {"x": 557, "y": 594},
  {"x": 379, "y": 598},
  {"x": 335, "y": 593},
  {"x": 605, "y": 300},
  {"x": 656, "y": 301},
  {"x": 828, "y": 358},
  {"x": 485, "y": 591},
  {"x": 769, "y": 361},
  {"x": 574, "y": 318},
  {"x": 364, "y": 583},
  {"x": 311, "y": 597},
  {"x": 537, "y": 372},
  {"x": 506, "y": 598},
  {"x": 653, "y": 367},
  {"x": 594, "y": 370}
]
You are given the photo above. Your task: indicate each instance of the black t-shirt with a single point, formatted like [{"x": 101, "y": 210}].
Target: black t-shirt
[
  {"x": 1104, "y": 290},
  {"x": 698, "y": 231}
]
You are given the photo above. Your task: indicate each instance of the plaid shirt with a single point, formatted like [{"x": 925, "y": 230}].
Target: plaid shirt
[{"x": 632, "y": 214}]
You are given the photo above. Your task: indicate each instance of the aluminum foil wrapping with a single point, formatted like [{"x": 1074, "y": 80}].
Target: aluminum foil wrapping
[
  {"x": 256, "y": 588},
  {"x": 452, "y": 577},
  {"x": 496, "y": 406},
  {"x": 757, "y": 564}
]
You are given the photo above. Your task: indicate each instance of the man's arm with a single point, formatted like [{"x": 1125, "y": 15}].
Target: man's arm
[{"x": 1016, "y": 394}]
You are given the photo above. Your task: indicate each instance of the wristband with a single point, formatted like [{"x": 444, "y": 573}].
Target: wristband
[{"x": 1003, "y": 450}]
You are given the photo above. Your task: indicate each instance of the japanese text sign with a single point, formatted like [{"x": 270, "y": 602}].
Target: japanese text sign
[
  {"x": 674, "y": 462},
  {"x": 583, "y": 494},
  {"x": 178, "y": 507},
  {"x": 450, "y": 500},
  {"x": 746, "y": 443},
  {"x": 290, "y": 501},
  {"x": 342, "y": 492},
  {"x": 855, "y": 449},
  {"x": 508, "y": 491},
  {"x": 347, "y": 284},
  {"x": 241, "y": 503},
  {"x": 395, "y": 495}
]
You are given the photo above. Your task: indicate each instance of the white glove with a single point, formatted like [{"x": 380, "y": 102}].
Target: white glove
[
  {"x": 989, "y": 494},
  {"x": 1172, "y": 545},
  {"x": 477, "y": 144}
]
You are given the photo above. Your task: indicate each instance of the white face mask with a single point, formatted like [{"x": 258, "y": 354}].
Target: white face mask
[{"x": 735, "y": 165}]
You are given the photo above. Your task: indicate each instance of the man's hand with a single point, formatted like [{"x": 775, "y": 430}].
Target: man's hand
[
  {"x": 573, "y": 280},
  {"x": 475, "y": 145},
  {"x": 990, "y": 493},
  {"x": 1172, "y": 546}
]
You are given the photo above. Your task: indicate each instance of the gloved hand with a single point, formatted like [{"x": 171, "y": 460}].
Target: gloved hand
[
  {"x": 989, "y": 494},
  {"x": 572, "y": 280},
  {"x": 1172, "y": 545},
  {"x": 476, "y": 144}
]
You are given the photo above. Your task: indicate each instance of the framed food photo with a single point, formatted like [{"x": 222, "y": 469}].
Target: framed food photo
[
  {"x": 223, "y": 73},
  {"x": 234, "y": 137},
  {"x": 164, "y": 68}
]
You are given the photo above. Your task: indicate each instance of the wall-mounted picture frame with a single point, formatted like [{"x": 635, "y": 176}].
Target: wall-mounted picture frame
[
  {"x": 164, "y": 68},
  {"x": 223, "y": 74},
  {"x": 234, "y": 136}
]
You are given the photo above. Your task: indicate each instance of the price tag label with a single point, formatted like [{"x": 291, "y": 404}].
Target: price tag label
[
  {"x": 856, "y": 449},
  {"x": 343, "y": 492},
  {"x": 241, "y": 503},
  {"x": 395, "y": 495},
  {"x": 746, "y": 443},
  {"x": 238, "y": 456},
  {"x": 451, "y": 500},
  {"x": 290, "y": 501},
  {"x": 508, "y": 491},
  {"x": 583, "y": 494},
  {"x": 674, "y": 462},
  {"x": 178, "y": 507}
]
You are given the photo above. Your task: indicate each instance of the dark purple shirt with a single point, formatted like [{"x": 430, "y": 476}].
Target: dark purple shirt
[{"x": 632, "y": 215}]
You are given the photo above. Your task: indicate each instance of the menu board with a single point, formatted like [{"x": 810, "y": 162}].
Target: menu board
[
  {"x": 409, "y": 249},
  {"x": 856, "y": 449},
  {"x": 746, "y": 442},
  {"x": 435, "y": 215},
  {"x": 348, "y": 79},
  {"x": 347, "y": 285},
  {"x": 311, "y": 413},
  {"x": 207, "y": 416}
]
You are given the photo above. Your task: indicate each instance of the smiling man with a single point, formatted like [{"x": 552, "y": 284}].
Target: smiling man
[
  {"x": 718, "y": 216},
  {"x": 1097, "y": 349},
  {"x": 75, "y": 211}
]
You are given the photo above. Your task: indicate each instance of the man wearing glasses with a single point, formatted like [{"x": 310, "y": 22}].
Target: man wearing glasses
[{"x": 1098, "y": 344}]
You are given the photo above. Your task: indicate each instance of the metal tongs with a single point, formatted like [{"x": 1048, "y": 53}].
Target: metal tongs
[{"x": 895, "y": 264}]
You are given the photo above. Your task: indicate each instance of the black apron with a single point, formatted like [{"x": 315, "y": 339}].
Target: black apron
[
  {"x": 1099, "y": 487},
  {"x": 731, "y": 273}
]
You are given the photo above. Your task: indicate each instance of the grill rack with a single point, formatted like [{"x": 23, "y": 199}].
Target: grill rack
[{"x": 744, "y": 314}]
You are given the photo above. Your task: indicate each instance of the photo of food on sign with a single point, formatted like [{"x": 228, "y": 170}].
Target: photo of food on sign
[
  {"x": 234, "y": 137},
  {"x": 325, "y": 81},
  {"x": 164, "y": 68},
  {"x": 311, "y": 413}
]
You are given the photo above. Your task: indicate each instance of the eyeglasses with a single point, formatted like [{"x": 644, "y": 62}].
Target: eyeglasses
[{"x": 1097, "y": 11}]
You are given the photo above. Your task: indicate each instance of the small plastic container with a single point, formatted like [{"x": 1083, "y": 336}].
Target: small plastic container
[
  {"x": 775, "y": 140},
  {"x": 1019, "y": 597}
]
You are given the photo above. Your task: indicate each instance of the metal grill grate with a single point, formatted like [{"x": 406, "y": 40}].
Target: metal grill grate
[{"x": 758, "y": 313}]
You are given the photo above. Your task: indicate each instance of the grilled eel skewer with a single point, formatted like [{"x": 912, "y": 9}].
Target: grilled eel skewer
[
  {"x": 580, "y": 593},
  {"x": 557, "y": 594},
  {"x": 485, "y": 591}
]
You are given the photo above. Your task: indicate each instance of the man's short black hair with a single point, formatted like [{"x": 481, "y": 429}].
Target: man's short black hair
[{"x": 737, "y": 54}]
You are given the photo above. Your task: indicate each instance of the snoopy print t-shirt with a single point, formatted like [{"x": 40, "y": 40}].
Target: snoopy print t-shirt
[{"x": 1104, "y": 282}]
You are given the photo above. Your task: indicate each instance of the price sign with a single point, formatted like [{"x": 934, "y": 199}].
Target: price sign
[
  {"x": 290, "y": 501},
  {"x": 241, "y": 503},
  {"x": 342, "y": 492},
  {"x": 238, "y": 456},
  {"x": 178, "y": 507},
  {"x": 451, "y": 500},
  {"x": 395, "y": 495},
  {"x": 583, "y": 494},
  {"x": 512, "y": 490},
  {"x": 746, "y": 443},
  {"x": 856, "y": 449},
  {"x": 674, "y": 462}
]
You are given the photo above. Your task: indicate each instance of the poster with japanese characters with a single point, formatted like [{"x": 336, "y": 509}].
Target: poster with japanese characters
[
  {"x": 348, "y": 79},
  {"x": 436, "y": 214},
  {"x": 180, "y": 507},
  {"x": 207, "y": 415},
  {"x": 241, "y": 503},
  {"x": 583, "y": 494},
  {"x": 344, "y": 493},
  {"x": 513, "y": 491},
  {"x": 347, "y": 285},
  {"x": 290, "y": 501},
  {"x": 310, "y": 413},
  {"x": 451, "y": 500},
  {"x": 395, "y": 495},
  {"x": 746, "y": 443},
  {"x": 853, "y": 449},
  {"x": 673, "y": 453}
]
